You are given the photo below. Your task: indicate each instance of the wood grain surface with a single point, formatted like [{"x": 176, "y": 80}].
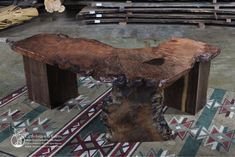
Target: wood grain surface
[{"x": 164, "y": 64}]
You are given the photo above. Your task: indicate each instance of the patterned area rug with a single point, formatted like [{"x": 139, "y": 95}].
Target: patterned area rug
[{"x": 75, "y": 129}]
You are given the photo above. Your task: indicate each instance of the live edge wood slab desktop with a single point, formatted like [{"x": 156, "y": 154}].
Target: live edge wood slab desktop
[{"x": 175, "y": 73}]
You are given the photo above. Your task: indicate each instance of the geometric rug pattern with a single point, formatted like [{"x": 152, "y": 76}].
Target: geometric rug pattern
[{"x": 75, "y": 129}]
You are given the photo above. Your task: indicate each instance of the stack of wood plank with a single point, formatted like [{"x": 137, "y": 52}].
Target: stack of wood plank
[{"x": 199, "y": 12}]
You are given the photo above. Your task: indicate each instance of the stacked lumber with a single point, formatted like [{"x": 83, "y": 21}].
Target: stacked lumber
[
  {"x": 13, "y": 15},
  {"x": 156, "y": 12}
]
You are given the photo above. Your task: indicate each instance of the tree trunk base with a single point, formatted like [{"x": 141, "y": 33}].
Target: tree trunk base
[{"x": 135, "y": 112}]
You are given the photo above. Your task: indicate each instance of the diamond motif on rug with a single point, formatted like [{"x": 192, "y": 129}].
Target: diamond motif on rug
[
  {"x": 180, "y": 127},
  {"x": 228, "y": 108}
]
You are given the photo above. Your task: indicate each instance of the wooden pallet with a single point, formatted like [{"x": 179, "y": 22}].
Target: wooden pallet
[{"x": 158, "y": 13}]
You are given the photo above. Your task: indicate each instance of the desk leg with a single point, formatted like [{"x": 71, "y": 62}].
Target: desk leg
[
  {"x": 49, "y": 85},
  {"x": 197, "y": 87},
  {"x": 189, "y": 94}
]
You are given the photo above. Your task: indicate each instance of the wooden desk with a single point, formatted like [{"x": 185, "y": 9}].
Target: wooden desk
[{"x": 175, "y": 73}]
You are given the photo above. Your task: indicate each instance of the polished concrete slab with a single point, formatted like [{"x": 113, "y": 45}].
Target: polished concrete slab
[{"x": 129, "y": 36}]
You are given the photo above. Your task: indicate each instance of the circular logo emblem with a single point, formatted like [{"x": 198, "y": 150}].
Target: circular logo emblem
[{"x": 17, "y": 140}]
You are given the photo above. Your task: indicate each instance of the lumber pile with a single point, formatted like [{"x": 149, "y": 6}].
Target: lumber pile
[
  {"x": 158, "y": 12},
  {"x": 13, "y": 15}
]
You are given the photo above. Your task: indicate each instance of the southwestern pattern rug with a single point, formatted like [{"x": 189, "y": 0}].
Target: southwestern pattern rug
[{"x": 75, "y": 129}]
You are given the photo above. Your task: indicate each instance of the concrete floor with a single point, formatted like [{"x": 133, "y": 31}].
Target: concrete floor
[{"x": 222, "y": 73}]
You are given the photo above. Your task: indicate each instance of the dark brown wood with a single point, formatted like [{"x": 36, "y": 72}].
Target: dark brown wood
[
  {"x": 49, "y": 85},
  {"x": 174, "y": 93},
  {"x": 165, "y": 63},
  {"x": 197, "y": 87},
  {"x": 36, "y": 79},
  {"x": 62, "y": 85},
  {"x": 123, "y": 4},
  {"x": 155, "y": 16},
  {"x": 178, "y": 69},
  {"x": 189, "y": 93},
  {"x": 155, "y": 21},
  {"x": 179, "y": 66}
]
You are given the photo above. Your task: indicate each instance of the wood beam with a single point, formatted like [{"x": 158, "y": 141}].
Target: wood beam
[{"x": 49, "y": 85}]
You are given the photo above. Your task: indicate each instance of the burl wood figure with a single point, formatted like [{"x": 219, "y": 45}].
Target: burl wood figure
[{"x": 175, "y": 73}]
